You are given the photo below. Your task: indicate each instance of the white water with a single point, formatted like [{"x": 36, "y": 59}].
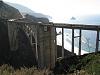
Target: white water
[
  {"x": 68, "y": 46},
  {"x": 68, "y": 40}
]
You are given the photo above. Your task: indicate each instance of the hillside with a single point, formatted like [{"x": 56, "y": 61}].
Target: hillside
[
  {"x": 25, "y": 10},
  {"x": 77, "y": 65},
  {"x": 88, "y": 64},
  {"x": 30, "y": 18},
  {"x": 20, "y": 13},
  {"x": 6, "y": 11},
  {"x": 29, "y": 15}
]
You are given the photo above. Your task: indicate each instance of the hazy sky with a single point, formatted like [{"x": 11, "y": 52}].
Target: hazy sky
[{"x": 61, "y": 10}]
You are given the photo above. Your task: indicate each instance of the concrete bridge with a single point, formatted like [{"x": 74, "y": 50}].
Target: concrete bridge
[
  {"x": 43, "y": 38},
  {"x": 40, "y": 36}
]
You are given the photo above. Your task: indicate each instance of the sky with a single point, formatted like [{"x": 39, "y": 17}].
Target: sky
[{"x": 61, "y": 10}]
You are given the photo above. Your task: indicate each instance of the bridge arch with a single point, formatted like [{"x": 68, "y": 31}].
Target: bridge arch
[
  {"x": 44, "y": 42},
  {"x": 31, "y": 33},
  {"x": 25, "y": 53}
]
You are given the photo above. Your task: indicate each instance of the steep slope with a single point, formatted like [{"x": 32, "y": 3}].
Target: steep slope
[
  {"x": 88, "y": 64},
  {"x": 8, "y": 12}
]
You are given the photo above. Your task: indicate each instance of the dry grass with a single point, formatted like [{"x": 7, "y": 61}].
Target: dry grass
[{"x": 8, "y": 70}]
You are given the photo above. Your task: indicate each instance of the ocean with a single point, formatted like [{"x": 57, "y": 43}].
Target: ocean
[{"x": 88, "y": 43}]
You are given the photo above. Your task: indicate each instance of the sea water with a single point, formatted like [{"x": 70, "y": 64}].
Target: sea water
[{"x": 88, "y": 40}]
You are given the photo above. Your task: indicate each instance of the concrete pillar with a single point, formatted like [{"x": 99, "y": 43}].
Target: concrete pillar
[
  {"x": 53, "y": 47},
  {"x": 40, "y": 41},
  {"x": 47, "y": 46}
]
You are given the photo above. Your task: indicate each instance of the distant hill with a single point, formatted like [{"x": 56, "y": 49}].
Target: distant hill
[
  {"x": 30, "y": 18},
  {"x": 8, "y": 12},
  {"x": 29, "y": 15},
  {"x": 25, "y": 10}
]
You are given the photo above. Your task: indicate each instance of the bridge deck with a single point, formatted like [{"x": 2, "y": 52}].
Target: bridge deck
[
  {"x": 80, "y": 27},
  {"x": 62, "y": 25},
  {"x": 75, "y": 26}
]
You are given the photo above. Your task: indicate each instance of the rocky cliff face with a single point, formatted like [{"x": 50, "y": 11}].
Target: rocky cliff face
[{"x": 8, "y": 12}]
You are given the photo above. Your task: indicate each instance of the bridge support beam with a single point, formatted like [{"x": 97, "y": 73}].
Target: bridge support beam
[
  {"x": 55, "y": 44},
  {"x": 80, "y": 33},
  {"x": 62, "y": 42},
  {"x": 47, "y": 44},
  {"x": 97, "y": 41},
  {"x": 80, "y": 42},
  {"x": 72, "y": 40}
]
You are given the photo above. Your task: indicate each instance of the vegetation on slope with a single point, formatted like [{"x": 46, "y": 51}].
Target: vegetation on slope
[
  {"x": 88, "y": 64},
  {"x": 93, "y": 66}
]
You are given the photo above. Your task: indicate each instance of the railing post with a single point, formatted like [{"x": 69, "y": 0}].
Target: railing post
[
  {"x": 62, "y": 42},
  {"x": 80, "y": 42},
  {"x": 97, "y": 41},
  {"x": 72, "y": 40}
]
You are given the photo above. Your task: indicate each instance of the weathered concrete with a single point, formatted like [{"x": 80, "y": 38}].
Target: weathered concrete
[{"x": 43, "y": 44}]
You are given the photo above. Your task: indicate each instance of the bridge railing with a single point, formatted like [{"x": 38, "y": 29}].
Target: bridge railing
[{"x": 80, "y": 27}]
